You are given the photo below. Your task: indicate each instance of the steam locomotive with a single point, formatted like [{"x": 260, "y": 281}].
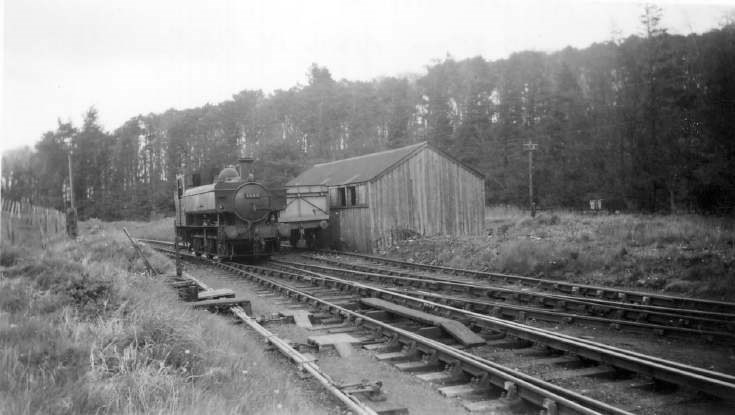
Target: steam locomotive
[{"x": 234, "y": 217}]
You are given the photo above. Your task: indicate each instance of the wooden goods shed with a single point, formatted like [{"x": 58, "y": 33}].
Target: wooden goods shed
[{"x": 379, "y": 198}]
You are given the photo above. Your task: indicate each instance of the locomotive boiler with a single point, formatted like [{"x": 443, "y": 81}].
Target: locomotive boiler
[{"x": 234, "y": 217}]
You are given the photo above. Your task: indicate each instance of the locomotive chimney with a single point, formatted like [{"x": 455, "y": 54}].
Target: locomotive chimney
[{"x": 245, "y": 168}]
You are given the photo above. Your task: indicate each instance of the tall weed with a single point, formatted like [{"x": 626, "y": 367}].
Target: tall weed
[
  {"x": 84, "y": 331},
  {"x": 684, "y": 254}
]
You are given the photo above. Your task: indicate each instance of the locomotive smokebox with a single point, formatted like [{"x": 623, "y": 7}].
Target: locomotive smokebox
[{"x": 246, "y": 172}]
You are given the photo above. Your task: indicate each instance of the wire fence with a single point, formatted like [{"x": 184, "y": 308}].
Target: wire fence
[{"x": 29, "y": 225}]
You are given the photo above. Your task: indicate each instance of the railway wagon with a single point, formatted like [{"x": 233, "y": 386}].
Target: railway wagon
[
  {"x": 234, "y": 217},
  {"x": 305, "y": 215}
]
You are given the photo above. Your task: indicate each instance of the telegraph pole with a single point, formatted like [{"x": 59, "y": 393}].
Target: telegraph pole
[
  {"x": 71, "y": 213},
  {"x": 71, "y": 180},
  {"x": 530, "y": 147}
]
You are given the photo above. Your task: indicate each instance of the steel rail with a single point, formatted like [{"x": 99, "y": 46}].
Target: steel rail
[
  {"x": 592, "y": 293},
  {"x": 522, "y": 313},
  {"x": 704, "y": 372},
  {"x": 294, "y": 355},
  {"x": 527, "y": 387},
  {"x": 304, "y": 363},
  {"x": 483, "y": 292},
  {"x": 644, "y": 308},
  {"x": 572, "y": 288},
  {"x": 705, "y": 316},
  {"x": 713, "y": 383},
  {"x": 679, "y": 313}
]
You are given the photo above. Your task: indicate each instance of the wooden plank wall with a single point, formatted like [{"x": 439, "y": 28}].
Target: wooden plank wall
[
  {"x": 428, "y": 194},
  {"x": 27, "y": 224},
  {"x": 350, "y": 228}
]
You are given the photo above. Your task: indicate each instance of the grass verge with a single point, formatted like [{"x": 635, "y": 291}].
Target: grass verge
[
  {"x": 674, "y": 254},
  {"x": 684, "y": 254},
  {"x": 159, "y": 229},
  {"x": 83, "y": 330}
]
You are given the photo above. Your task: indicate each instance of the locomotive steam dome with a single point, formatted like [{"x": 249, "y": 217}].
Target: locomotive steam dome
[
  {"x": 228, "y": 174},
  {"x": 252, "y": 202}
]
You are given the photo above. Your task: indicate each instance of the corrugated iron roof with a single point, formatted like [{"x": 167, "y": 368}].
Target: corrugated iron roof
[{"x": 354, "y": 169}]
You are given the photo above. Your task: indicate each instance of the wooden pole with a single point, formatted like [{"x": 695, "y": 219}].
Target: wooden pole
[
  {"x": 179, "y": 265},
  {"x": 140, "y": 252},
  {"x": 71, "y": 181},
  {"x": 71, "y": 216},
  {"x": 530, "y": 147}
]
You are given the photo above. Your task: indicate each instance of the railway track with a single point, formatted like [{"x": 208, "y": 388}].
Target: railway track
[
  {"x": 347, "y": 396},
  {"x": 679, "y": 319},
  {"x": 522, "y": 304},
  {"x": 486, "y": 381},
  {"x": 576, "y": 290},
  {"x": 497, "y": 327},
  {"x": 557, "y": 373}
]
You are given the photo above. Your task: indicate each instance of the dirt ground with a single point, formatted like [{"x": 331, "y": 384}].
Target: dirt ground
[
  {"x": 421, "y": 397},
  {"x": 401, "y": 388},
  {"x": 676, "y": 255}
]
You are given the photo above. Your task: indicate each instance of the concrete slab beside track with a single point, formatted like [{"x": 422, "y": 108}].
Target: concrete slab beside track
[
  {"x": 456, "y": 360},
  {"x": 453, "y": 327}
]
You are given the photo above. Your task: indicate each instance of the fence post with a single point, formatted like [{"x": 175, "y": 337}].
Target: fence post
[
  {"x": 43, "y": 241},
  {"x": 12, "y": 223}
]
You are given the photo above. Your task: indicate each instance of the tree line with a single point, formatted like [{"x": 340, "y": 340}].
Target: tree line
[{"x": 646, "y": 121}]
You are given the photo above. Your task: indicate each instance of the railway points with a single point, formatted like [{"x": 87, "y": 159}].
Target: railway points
[
  {"x": 540, "y": 347},
  {"x": 522, "y": 304},
  {"x": 580, "y": 290}
]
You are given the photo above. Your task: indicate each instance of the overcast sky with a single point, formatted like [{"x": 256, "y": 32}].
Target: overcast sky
[{"x": 131, "y": 57}]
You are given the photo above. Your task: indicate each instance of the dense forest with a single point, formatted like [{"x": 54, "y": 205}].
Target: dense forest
[{"x": 646, "y": 121}]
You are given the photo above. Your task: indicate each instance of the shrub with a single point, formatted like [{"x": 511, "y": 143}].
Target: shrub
[
  {"x": 46, "y": 271},
  {"x": 14, "y": 298},
  {"x": 584, "y": 237},
  {"x": 652, "y": 251},
  {"x": 9, "y": 255},
  {"x": 539, "y": 221},
  {"x": 546, "y": 219},
  {"x": 525, "y": 256},
  {"x": 503, "y": 229},
  {"x": 93, "y": 226},
  {"x": 88, "y": 294},
  {"x": 39, "y": 366},
  {"x": 168, "y": 342},
  {"x": 61, "y": 282}
]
